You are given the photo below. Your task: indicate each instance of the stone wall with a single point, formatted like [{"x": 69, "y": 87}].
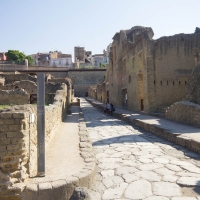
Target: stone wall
[
  {"x": 29, "y": 86},
  {"x": 92, "y": 91},
  {"x": 153, "y": 74},
  {"x": 68, "y": 82},
  {"x": 11, "y": 78},
  {"x": 193, "y": 89},
  {"x": 14, "y": 139},
  {"x": 16, "y": 93},
  {"x": 173, "y": 64},
  {"x": 18, "y": 138},
  {"x": 188, "y": 110},
  {"x": 83, "y": 79},
  {"x": 98, "y": 92},
  {"x": 185, "y": 112},
  {"x": 16, "y": 97}
]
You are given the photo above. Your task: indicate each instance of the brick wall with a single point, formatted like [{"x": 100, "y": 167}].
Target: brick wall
[
  {"x": 17, "y": 96},
  {"x": 18, "y": 139},
  {"x": 83, "y": 79},
  {"x": 14, "y": 149},
  {"x": 185, "y": 112},
  {"x": 153, "y": 73},
  {"x": 188, "y": 111}
]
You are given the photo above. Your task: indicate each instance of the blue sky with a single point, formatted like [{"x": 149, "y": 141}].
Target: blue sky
[{"x": 33, "y": 26}]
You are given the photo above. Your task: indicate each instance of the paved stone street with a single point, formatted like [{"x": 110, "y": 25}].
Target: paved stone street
[{"x": 134, "y": 164}]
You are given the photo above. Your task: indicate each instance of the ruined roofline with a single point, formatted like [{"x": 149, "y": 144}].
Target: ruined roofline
[
  {"x": 135, "y": 30},
  {"x": 179, "y": 35}
]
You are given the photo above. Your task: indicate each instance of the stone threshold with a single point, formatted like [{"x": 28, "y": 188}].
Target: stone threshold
[{"x": 183, "y": 135}]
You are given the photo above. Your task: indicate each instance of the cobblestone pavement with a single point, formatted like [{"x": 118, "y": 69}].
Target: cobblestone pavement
[{"x": 134, "y": 164}]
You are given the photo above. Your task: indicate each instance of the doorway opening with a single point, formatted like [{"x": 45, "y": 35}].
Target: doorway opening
[
  {"x": 107, "y": 94},
  {"x": 124, "y": 98},
  {"x": 141, "y": 92}
]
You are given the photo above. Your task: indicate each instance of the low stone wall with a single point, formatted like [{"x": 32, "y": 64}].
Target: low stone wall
[
  {"x": 17, "y": 97},
  {"x": 18, "y": 139},
  {"x": 185, "y": 112},
  {"x": 62, "y": 189},
  {"x": 28, "y": 86}
]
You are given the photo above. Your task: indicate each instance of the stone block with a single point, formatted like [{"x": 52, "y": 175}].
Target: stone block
[
  {"x": 30, "y": 193},
  {"x": 14, "y": 128},
  {"x": 14, "y": 147},
  {"x": 7, "y": 121},
  {"x": 45, "y": 191},
  {"x": 17, "y": 121},
  {"x": 6, "y": 115},
  {"x": 15, "y": 141},
  {"x": 18, "y": 134},
  {"x": 59, "y": 189},
  {"x": 4, "y": 141},
  {"x": 3, "y": 135},
  {"x": 3, "y": 148},
  {"x": 4, "y": 128},
  {"x": 18, "y": 115}
]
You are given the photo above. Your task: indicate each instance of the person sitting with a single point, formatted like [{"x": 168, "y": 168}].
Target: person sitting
[
  {"x": 108, "y": 108},
  {"x": 112, "y": 109}
]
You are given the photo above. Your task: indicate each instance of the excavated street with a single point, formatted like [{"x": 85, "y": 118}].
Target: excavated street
[{"x": 134, "y": 164}]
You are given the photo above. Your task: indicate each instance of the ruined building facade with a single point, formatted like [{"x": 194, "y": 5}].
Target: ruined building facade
[{"x": 145, "y": 74}]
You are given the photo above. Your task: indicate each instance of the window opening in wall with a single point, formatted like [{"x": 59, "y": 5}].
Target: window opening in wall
[
  {"x": 142, "y": 104},
  {"x": 167, "y": 82},
  {"x": 173, "y": 83},
  {"x": 154, "y": 82},
  {"x": 133, "y": 61},
  {"x": 179, "y": 82},
  {"x": 129, "y": 78},
  {"x": 185, "y": 82},
  {"x": 107, "y": 94},
  {"x": 124, "y": 65},
  {"x": 160, "y": 82}
]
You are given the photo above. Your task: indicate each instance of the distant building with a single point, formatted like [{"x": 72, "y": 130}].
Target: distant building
[
  {"x": 2, "y": 56},
  {"x": 79, "y": 54},
  {"x": 53, "y": 58},
  {"x": 63, "y": 60},
  {"x": 106, "y": 55},
  {"x": 97, "y": 60}
]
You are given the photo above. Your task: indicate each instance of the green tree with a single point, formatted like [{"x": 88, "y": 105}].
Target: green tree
[
  {"x": 15, "y": 55},
  {"x": 197, "y": 30},
  {"x": 30, "y": 60}
]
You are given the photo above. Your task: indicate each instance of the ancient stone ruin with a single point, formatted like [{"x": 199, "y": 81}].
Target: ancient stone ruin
[
  {"x": 19, "y": 135},
  {"x": 147, "y": 75},
  {"x": 188, "y": 110}
]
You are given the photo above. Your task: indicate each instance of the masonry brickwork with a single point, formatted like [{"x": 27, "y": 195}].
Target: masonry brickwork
[
  {"x": 83, "y": 79},
  {"x": 14, "y": 97},
  {"x": 149, "y": 75},
  {"x": 18, "y": 138},
  {"x": 187, "y": 111}
]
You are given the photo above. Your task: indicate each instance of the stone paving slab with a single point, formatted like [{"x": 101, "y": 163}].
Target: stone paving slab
[
  {"x": 142, "y": 166},
  {"x": 184, "y": 135}
]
